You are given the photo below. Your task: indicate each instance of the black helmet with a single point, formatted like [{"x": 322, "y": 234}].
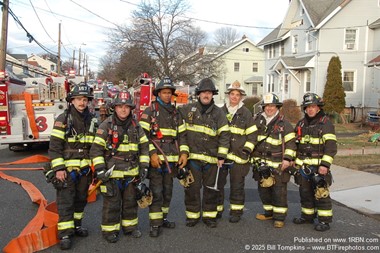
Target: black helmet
[
  {"x": 271, "y": 98},
  {"x": 123, "y": 98},
  {"x": 206, "y": 84},
  {"x": 165, "y": 83},
  {"x": 80, "y": 90},
  {"x": 310, "y": 99}
]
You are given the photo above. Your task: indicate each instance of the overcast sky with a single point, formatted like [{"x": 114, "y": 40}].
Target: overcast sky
[{"x": 84, "y": 23}]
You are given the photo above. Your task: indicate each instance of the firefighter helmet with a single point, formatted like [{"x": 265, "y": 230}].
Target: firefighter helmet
[
  {"x": 165, "y": 83},
  {"x": 236, "y": 86},
  {"x": 311, "y": 99},
  {"x": 123, "y": 98},
  {"x": 144, "y": 196},
  {"x": 271, "y": 98},
  {"x": 206, "y": 84},
  {"x": 80, "y": 90}
]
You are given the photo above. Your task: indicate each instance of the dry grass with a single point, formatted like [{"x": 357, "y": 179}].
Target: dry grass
[{"x": 359, "y": 162}]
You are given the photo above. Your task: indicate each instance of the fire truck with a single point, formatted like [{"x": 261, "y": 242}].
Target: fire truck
[{"x": 28, "y": 109}]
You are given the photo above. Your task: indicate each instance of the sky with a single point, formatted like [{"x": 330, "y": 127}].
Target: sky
[{"x": 86, "y": 23}]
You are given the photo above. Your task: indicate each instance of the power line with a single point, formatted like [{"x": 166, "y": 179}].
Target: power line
[{"x": 41, "y": 22}]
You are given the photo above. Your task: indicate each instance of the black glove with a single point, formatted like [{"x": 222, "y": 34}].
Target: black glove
[
  {"x": 101, "y": 175},
  {"x": 246, "y": 153},
  {"x": 143, "y": 174}
]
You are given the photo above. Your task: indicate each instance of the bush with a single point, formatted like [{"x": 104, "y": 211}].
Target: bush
[
  {"x": 291, "y": 111},
  {"x": 250, "y": 102}
]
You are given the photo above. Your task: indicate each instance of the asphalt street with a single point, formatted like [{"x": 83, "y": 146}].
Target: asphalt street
[{"x": 350, "y": 232}]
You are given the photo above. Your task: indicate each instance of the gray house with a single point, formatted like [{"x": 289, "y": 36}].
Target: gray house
[{"x": 298, "y": 51}]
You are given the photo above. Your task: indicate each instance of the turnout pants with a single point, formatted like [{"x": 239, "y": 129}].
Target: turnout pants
[
  {"x": 71, "y": 202},
  {"x": 204, "y": 175},
  {"x": 161, "y": 184}
]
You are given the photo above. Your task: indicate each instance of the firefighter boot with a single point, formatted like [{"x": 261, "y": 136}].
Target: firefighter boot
[
  {"x": 300, "y": 220},
  {"x": 264, "y": 216},
  {"x": 278, "y": 224},
  {"x": 191, "y": 222},
  {"x": 155, "y": 231},
  {"x": 211, "y": 223},
  {"x": 234, "y": 219},
  {"x": 166, "y": 223},
  {"x": 112, "y": 238},
  {"x": 136, "y": 233},
  {"x": 322, "y": 226},
  {"x": 81, "y": 231},
  {"x": 65, "y": 242}
]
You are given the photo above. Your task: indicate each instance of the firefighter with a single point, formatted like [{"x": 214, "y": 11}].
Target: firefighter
[
  {"x": 207, "y": 138},
  {"x": 161, "y": 124},
  {"x": 272, "y": 156},
  {"x": 120, "y": 154},
  {"x": 316, "y": 149},
  {"x": 242, "y": 140},
  {"x": 70, "y": 142}
]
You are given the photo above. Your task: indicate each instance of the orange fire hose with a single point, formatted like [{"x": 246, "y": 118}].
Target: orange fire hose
[
  {"x": 30, "y": 114},
  {"x": 41, "y": 232}
]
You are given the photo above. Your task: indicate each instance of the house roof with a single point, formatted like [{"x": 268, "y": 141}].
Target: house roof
[
  {"x": 374, "y": 62},
  {"x": 272, "y": 36},
  {"x": 375, "y": 24},
  {"x": 254, "y": 79},
  {"x": 293, "y": 62},
  {"x": 233, "y": 45},
  {"x": 20, "y": 56}
]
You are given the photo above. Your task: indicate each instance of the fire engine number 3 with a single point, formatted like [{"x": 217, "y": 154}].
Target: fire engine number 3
[{"x": 41, "y": 124}]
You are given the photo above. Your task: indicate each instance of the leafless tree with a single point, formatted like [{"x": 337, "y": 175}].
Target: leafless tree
[{"x": 225, "y": 36}]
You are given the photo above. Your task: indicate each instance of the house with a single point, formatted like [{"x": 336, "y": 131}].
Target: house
[
  {"x": 48, "y": 64},
  {"x": 298, "y": 51},
  {"x": 242, "y": 61}
]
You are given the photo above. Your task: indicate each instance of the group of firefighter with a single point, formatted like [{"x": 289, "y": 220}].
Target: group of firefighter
[{"x": 198, "y": 143}]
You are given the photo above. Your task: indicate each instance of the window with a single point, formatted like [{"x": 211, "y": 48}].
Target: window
[
  {"x": 282, "y": 48},
  {"x": 348, "y": 80},
  {"x": 350, "y": 39},
  {"x": 302, "y": 11},
  {"x": 227, "y": 85},
  {"x": 286, "y": 83},
  {"x": 246, "y": 49},
  {"x": 52, "y": 67},
  {"x": 307, "y": 81},
  {"x": 295, "y": 44},
  {"x": 236, "y": 66},
  {"x": 255, "y": 67},
  {"x": 270, "y": 85},
  {"x": 254, "y": 89},
  {"x": 309, "y": 42}
]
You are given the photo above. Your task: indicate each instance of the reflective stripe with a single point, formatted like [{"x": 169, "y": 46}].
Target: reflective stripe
[
  {"x": 78, "y": 216},
  {"x": 100, "y": 141},
  {"x": 98, "y": 160},
  {"x": 327, "y": 158},
  {"x": 236, "y": 207},
  {"x": 223, "y": 129},
  {"x": 280, "y": 209},
  {"x": 78, "y": 163},
  {"x": 236, "y": 159},
  {"x": 206, "y": 158},
  {"x": 192, "y": 215},
  {"x": 151, "y": 147},
  {"x": 145, "y": 125},
  {"x": 290, "y": 152},
  {"x": 207, "y": 214},
  {"x": 270, "y": 140},
  {"x": 200, "y": 129},
  {"x": 325, "y": 213},
  {"x": 168, "y": 131},
  {"x": 143, "y": 139},
  {"x": 57, "y": 162},
  {"x": 236, "y": 130},
  {"x": 182, "y": 128},
  {"x": 170, "y": 158},
  {"x": 249, "y": 145},
  {"x": 251, "y": 129},
  {"x": 165, "y": 210},
  {"x": 129, "y": 223},
  {"x": 329, "y": 137},
  {"x": 128, "y": 147},
  {"x": 289, "y": 136},
  {"x": 122, "y": 173},
  {"x": 268, "y": 207},
  {"x": 65, "y": 225},
  {"x": 58, "y": 133},
  {"x": 308, "y": 211},
  {"x": 220, "y": 208},
  {"x": 156, "y": 216},
  {"x": 311, "y": 140},
  {"x": 144, "y": 159},
  {"x": 184, "y": 148},
  {"x": 309, "y": 161},
  {"x": 83, "y": 139},
  {"x": 110, "y": 228},
  {"x": 223, "y": 150}
]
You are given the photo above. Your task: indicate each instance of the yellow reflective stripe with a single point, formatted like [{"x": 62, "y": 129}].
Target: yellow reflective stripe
[
  {"x": 57, "y": 162},
  {"x": 165, "y": 209},
  {"x": 289, "y": 136},
  {"x": 145, "y": 125},
  {"x": 151, "y": 147},
  {"x": 156, "y": 216},
  {"x": 182, "y": 128},
  {"x": 331, "y": 137},
  {"x": 206, "y": 158},
  {"x": 236, "y": 130},
  {"x": 58, "y": 133},
  {"x": 78, "y": 163},
  {"x": 144, "y": 159},
  {"x": 249, "y": 145},
  {"x": 110, "y": 228},
  {"x": 251, "y": 129},
  {"x": 168, "y": 131},
  {"x": 128, "y": 147},
  {"x": 236, "y": 207},
  {"x": 328, "y": 159},
  {"x": 100, "y": 141},
  {"x": 129, "y": 223},
  {"x": 207, "y": 214},
  {"x": 325, "y": 213},
  {"x": 83, "y": 139},
  {"x": 98, "y": 160},
  {"x": 311, "y": 140},
  {"x": 65, "y": 225},
  {"x": 268, "y": 207},
  {"x": 170, "y": 158},
  {"x": 143, "y": 139},
  {"x": 103, "y": 188},
  {"x": 290, "y": 152},
  {"x": 270, "y": 140},
  {"x": 308, "y": 211},
  {"x": 78, "y": 216},
  {"x": 220, "y": 208},
  {"x": 184, "y": 148},
  {"x": 235, "y": 158},
  {"x": 222, "y": 150},
  {"x": 191, "y": 215},
  {"x": 273, "y": 164},
  {"x": 123, "y": 173},
  {"x": 223, "y": 129},
  {"x": 201, "y": 129},
  {"x": 309, "y": 161},
  {"x": 280, "y": 209}
]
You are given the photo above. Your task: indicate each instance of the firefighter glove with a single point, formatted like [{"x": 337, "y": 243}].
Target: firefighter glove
[
  {"x": 267, "y": 182},
  {"x": 321, "y": 192},
  {"x": 101, "y": 175},
  {"x": 155, "y": 161},
  {"x": 182, "y": 161}
]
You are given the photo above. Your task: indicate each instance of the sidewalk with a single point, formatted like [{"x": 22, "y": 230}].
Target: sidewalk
[{"x": 357, "y": 190}]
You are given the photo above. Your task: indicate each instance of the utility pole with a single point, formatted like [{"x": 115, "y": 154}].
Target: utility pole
[
  {"x": 59, "y": 50},
  {"x": 79, "y": 61},
  {"x": 4, "y": 35},
  {"x": 73, "y": 65},
  {"x": 86, "y": 76}
]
